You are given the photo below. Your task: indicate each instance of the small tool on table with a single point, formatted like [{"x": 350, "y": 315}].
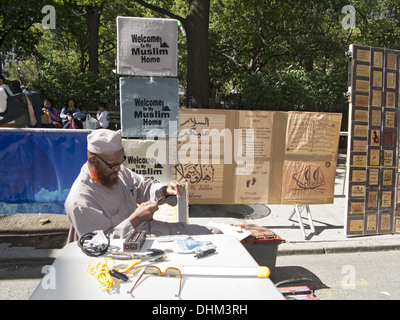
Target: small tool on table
[
  {"x": 150, "y": 254},
  {"x": 138, "y": 258}
]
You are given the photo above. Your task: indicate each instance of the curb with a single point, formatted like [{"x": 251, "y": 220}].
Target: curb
[
  {"x": 26, "y": 255},
  {"x": 36, "y": 240},
  {"x": 350, "y": 246}
]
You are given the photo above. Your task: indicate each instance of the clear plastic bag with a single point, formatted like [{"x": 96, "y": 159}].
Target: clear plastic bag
[{"x": 90, "y": 123}]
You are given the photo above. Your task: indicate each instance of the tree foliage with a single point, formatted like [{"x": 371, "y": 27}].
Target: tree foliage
[{"x": 263, "y": 54}]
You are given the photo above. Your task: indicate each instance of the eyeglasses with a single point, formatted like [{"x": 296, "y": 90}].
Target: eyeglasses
[
  {"x": 110, "y": 165},
  {"x": 156, "y": 271}
]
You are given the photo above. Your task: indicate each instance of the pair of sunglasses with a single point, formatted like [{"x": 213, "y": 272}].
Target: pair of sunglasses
[
  {"x": 156, "y": 271},
  {"x": 111, "y": 166}
]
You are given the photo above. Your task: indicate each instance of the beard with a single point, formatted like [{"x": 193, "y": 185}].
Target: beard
[{"x": 105, "y": 180}]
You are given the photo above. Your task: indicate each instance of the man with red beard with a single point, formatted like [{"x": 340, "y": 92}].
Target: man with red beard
[{"x": 108, "y": 196}]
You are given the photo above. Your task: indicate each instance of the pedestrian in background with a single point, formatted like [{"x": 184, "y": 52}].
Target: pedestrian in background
[{"x": 103, "y": 116}]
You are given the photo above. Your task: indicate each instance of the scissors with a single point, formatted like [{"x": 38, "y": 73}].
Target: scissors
[
  {"x": 137, "y": 259},
  {"x": 150, "y": 254}
]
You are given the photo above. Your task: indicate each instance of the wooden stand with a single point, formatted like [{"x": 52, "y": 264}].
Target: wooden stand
[{"x": 298, "y": 209}]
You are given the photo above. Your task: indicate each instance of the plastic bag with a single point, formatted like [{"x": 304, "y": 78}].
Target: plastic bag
[
  {"x": 90, "y": 123},
  {"x": 189, "y": 245},
  {"x": 98, "y": 240}
]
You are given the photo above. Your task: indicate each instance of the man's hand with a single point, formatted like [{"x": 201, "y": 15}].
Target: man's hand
[
  {"x": 143, "y": 212},
  {"x": 174, "y": 189}
]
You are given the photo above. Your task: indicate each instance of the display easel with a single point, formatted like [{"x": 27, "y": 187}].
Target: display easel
[{"x": 298, "y": 209}]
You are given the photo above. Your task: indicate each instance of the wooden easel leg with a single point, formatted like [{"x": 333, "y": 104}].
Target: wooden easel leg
[
  {"x": 310, "y": 219},
  {"x": 297, "y": 210}
]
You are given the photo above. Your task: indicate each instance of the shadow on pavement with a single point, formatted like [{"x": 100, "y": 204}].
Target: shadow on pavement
[
  {"x": 296, "y": 272},
  {"x": 228, "y": 211}
]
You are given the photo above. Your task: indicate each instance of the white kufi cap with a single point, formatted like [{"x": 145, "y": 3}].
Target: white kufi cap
[{"x": 104, "y": 141}]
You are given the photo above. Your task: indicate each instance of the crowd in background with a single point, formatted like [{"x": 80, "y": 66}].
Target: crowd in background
[{"x": 23, "y": 108}]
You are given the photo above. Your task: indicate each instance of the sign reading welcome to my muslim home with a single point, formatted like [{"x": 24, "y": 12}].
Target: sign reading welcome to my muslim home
[
  {"x": 149, "y": 107},
  {"x": 147, "y": 47}
]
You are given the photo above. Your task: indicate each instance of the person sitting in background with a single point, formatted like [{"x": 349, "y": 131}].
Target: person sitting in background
[
  {"x": 74, "y": 120},
  {"x": 23, "y": 121},
  {"x": 13, "y": 110},
  {"x": 103, "y": 116},
  {"x": 70, "y": 109},
  {"x": 3, "y": 85},
  {"x": 16, "y": 87},
  {"x": 51, "y": 117}
]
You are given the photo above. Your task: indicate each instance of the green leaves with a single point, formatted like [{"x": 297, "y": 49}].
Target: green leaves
[{"x": 272, "y": 54}]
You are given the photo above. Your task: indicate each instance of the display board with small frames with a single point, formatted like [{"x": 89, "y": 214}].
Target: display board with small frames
[{"x": 373, "y": 174}]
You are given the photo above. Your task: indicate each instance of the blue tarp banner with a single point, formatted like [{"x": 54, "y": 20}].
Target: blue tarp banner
[{"x": 37, "y": 169}]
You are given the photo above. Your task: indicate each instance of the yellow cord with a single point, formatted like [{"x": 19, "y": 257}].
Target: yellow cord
[{"x": 100, "y": 270}]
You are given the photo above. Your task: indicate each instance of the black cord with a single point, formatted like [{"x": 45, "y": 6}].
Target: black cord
[{"x": 91, "y": 251}]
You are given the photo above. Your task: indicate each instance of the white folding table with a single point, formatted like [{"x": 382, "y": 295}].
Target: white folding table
[{"x": 70, "y": 280}]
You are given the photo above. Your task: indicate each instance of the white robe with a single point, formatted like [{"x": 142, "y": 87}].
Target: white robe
[{"x": 91, "y": 206}]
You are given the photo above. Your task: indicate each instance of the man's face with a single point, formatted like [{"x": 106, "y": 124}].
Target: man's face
[{"x": 100, "y": 167}]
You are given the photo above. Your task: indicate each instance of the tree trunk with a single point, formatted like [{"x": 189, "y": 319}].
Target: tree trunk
[
  {"x": 93, "y": 24},
  {"x": 2, "y": 38},
  {"x": 196, "y": 26}
]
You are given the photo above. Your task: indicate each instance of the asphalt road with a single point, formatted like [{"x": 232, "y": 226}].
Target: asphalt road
[
  {"x": 347, "y": 276},
  {"x": 19, "y": 282}
]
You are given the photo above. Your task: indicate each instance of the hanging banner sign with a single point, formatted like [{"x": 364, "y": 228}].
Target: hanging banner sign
[
  {"x": 147, "y": 47},
  {"x": 149, "y": 107}
]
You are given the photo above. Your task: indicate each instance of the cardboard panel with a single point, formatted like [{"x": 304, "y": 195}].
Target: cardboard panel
[
  {"x": 257, "y": 157},
  {"x": 308, "y": 181},
  {"x": 309, "y": 133},
  {"x": 205, "y": 155}
]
